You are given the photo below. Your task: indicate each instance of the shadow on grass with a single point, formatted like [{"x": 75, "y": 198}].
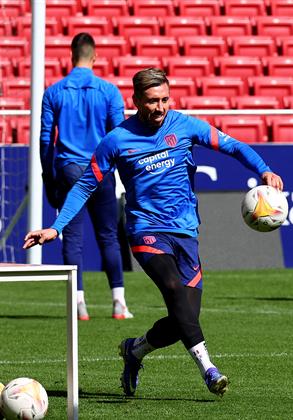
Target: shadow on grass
[
  {"x": 29, "y": 317},
  {"x": 107, "y": 397},
  {"x": 117, "y": 398}
]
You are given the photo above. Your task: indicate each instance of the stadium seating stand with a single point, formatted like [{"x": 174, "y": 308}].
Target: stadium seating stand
[
  {"x": 183, "y": 25},
  {"x": 199, "y": 7},
  {"x": 229, "y": 25},
  {"x": 136, "y": 26},
  {"x": 280, "y": 128},
  {"x": 255, "y": 102},
  {"x": 221, "y": 86},
  {"x": 204, "y": 102},
  {"x": 249, "y": 129},
  {"x": 208, "y": 46},
  {"x": 186, "y": 66}
]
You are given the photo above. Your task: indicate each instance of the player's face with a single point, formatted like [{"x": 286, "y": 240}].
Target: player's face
[{"x": 153, "y": 105}]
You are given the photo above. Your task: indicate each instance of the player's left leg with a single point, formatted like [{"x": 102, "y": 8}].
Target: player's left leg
[{"x": 102, "y": 207}]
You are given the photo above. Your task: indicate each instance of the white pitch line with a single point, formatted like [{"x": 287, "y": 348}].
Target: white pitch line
[
  {"x": 142, "y": 309},
  {"x": 159, "y": 357}
]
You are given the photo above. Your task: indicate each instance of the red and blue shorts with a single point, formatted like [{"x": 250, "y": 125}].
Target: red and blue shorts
[{"x": 144, "y": 245}]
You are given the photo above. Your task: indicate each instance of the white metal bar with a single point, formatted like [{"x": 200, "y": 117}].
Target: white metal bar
[
  {"x": 35, "y": 212},
  {"x": 30, "y": 272},
  {"x": 72, "y": 346}
]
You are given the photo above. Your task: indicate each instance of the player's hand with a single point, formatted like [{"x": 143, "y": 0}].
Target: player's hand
[
  {"x": 274, "y": 180},
  {"x": 39, "y": 237}
]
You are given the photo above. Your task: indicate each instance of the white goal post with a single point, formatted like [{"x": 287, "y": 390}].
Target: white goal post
[{"x": 30, "y": 272}]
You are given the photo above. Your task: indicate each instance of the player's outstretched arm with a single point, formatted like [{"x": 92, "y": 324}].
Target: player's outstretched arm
[
  {"x": 39, "y": 237},
  {"x": 272, "y": 179}
]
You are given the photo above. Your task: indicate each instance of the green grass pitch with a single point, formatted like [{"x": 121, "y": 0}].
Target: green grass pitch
[{"x": 247, "y": 321}]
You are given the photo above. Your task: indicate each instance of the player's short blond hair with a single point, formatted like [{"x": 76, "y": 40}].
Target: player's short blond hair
[{"x": 146, "y": 79}]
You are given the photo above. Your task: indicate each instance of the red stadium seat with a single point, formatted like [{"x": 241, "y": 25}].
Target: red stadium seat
[
  {"x": 129, "y": 65},
  {"x": 107, "y": 8},
  {"x": 278, "y": 66},
  {"x": 288, "y": 102},
  {"x": 12, "y": 8},
  {"x": 18, "y": 87},
  {"x": 255, "y": 102},
  {"x": 249, "y": 129},
  {"x": 154, "y": 46},
  {"x": 13, "y": 46},
  {"x": 281, "y": 128},
  {"x": 22, "y": 127},
  {"x": 221, "y": 86},
  {"x": 271, "y": 86},
  {"x": 6, "y": 67},
  {"x": 199, "y": 7},
  {"x": 274, "y": 25},
  {"x": 52, "y": 67},
  {"x": 239, "y": 66},
  {"x": 11, "y": 103},
  {"x": 183, "y": 25},
  {"x": 185, "y": 66},
  {"x": 111, "y": 46},
  {"x": 204, "y": 102},
  {"x": 23, "y": 26},
  {"x": 95, "y": 25},
  {"x": 136, "y": 26},
  {"x": 5, "y": 26},
  {"x": 50, "y": 81},
  {"x": 253, "y": 46},
  {"x": 229, "y": 25},
  {"x": 286, "y": 45},
  {"x": 281, "y": 7},
  {"x": 181, "y": 86},
  {"x": 123, "y": 83},
  {"x": 57, "y": 46},
  {"x": 153, "y": 8},
  {"x": 5, "y": 131},
  {"x": 103, "y": 67},
  {"x": 245, "y": 7},
  {"x": 208, "y": 46},
  {"x": 63, "y": 8}
]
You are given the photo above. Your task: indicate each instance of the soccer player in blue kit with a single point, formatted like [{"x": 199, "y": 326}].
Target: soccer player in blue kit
[
  {"x": 152, "y": 151},
  {"x": 77, "y": 112}
]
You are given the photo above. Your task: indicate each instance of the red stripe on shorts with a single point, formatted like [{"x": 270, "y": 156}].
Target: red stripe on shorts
[
  {"x": 144, "y": 248},
  {"x": 196, "y": 279}
]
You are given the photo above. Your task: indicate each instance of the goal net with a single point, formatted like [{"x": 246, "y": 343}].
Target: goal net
[{"x": 13, "y": 220}]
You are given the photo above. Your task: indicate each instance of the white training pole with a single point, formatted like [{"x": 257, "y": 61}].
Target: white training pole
[
  {"x": 41, "y": 272},
  {"x": 72, "y": 348},
  {"x": 35, "y": 207}
]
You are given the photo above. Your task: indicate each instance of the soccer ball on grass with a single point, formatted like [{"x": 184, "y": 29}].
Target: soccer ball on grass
[
  {"x": 264, "y": 208},
  {"x": 23, "y": 399}
]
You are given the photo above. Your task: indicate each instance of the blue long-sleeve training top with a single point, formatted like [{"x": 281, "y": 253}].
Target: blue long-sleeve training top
[
  {"x": 153, "y": 166},
  {"x": 84, "y": 108}
]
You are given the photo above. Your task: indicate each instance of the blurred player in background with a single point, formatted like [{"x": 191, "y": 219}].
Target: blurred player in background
[
  {"x": 77, "y": 112},
  {"x": 153, "y": 152}
]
